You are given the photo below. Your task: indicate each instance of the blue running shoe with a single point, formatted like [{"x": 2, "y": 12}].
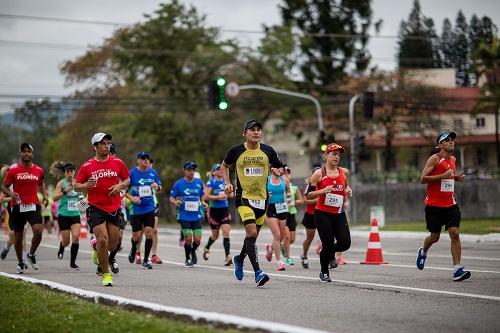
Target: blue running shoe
[
  {"x": 461, "y": 275},
  {"x": 238, "y": 268},
  {"x": 261, "y": 278},
  {"x": 420, "y": 258}
]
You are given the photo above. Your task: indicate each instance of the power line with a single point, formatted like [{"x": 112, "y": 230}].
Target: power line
[{"x": 239, "y": 31}]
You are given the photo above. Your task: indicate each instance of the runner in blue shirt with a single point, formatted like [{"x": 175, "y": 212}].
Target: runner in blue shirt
[
  {"x": 219, "y": 217},
  {"x": 143, "y": 181},
  {"x": 187, "y": 195}
]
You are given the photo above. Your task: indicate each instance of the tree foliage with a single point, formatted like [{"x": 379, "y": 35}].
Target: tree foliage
[{"x": 333, "y": 35}]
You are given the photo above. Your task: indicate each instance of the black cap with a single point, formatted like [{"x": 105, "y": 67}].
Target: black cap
[
  {"x": 190, "y": 165},
  {"x": 68, "y": 166},
  {"x": 252, "y": 123},
  {"x": 444, "y": 135},
  {"x": 26, "y": 145},
  {"x": 143, "y": 155}
]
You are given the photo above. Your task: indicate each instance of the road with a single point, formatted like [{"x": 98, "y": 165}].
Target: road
[{"x": 394, "y": 297}]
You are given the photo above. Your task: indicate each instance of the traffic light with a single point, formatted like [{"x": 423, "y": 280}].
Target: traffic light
[
  {"x": 368, "y": 101},
  {"x": 361, "y": 151},
  {"x": 217, "y": 94},
  {"x": 323, "y": 141}
]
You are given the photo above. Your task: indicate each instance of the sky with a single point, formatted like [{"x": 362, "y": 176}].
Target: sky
[{"x": 26, "y": 70}]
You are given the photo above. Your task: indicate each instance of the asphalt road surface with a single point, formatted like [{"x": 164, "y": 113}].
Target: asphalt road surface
[{"x": 394, "y": 297}]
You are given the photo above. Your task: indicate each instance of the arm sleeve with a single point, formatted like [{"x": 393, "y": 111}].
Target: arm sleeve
[
  {"x": 232, "y": 154},
  {"x": 82, "y": 176},
  {"x": 274, "y": 159}
]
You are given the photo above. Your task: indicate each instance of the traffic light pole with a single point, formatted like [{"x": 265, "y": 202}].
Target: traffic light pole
[
  {"x": 319, "y": 113},
  {"x": 352, "y": 155}
]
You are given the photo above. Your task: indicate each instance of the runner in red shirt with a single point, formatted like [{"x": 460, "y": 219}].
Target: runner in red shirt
[
  {"x": 21, "y": 184},
  {"x": 103, "y": 177},
  {"x": 330, "y": 185},
  {"x": 440, "y": 174}
]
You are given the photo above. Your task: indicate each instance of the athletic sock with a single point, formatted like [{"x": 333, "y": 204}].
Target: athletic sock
[
  {"x": 227, "y": 246},
  {"x": 134, "y": 247},
  {"x": 113, "y": 253},
  {"x": 251, "y": 248},
  {"x": 187, "y": 251},
  {"x": 210, "y": 242},
  {"x": 74, "y": 252},
  {"x": 147, "y": 248}
]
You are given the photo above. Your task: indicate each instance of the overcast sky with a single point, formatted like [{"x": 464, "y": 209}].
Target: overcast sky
[{"x": 34, "y": 70}]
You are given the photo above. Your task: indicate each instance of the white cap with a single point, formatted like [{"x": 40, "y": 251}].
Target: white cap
[{"x": 99, "y": 136}]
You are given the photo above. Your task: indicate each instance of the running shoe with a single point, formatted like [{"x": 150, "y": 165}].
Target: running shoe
[
  {"x": 461, "y": 275},
  {"x": 74, "y": 267},
  {"x": 261, "y": 278},
  {"x": 98, "y": 270},
  {"x": 238, "y": 268},
  {"x": 194, "y": 258},
  {"x": 20, "y": 268},
  {"x": 114, "y": 266},
  {"x": 156, "y": 260},
  {"x": 269, "y": 252},
  {"x": 138, "y": 259},
  {"x": 146, "y": 264},
  {"x": 281, "y": 266},
  {"x": 332, "y": 263},
  {"x": 206, "y": 252},
  {"x": 421, "y": 258},
  {"x": 94, "y": 257},
  {"x": 304, "y": 261},
  {"x": 107, "y": 280},
  {"x": 32, "y": 261},
  {"x": 229, "y": 261},
  {"x": 131, "y": 256},
  {"x": 4, "y": 253},
  {"x": 289, "y": 261},
  {"x": 188, "y": 263},
  {"x": 340, "y": 260},
  {"x": 282, "y": 249},
  {"x": 60, "y": 253},
  {"x": 319, "y": 247},
  {"x": 324, "y": 277}
]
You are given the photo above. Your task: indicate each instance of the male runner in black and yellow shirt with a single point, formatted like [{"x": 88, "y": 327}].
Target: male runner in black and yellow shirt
[{"x": 252, "y": 160}]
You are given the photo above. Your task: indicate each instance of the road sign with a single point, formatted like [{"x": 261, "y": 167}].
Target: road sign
[{"x": 232, "y": 89}]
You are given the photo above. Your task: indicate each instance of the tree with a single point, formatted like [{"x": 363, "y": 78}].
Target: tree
[
  {"x": 43, "y": 120},
  {"x": 417, "y": 45},
  {"x": 461, "y": 54},
  {"x": 481, "y": 30},
  {"x": 333, "y": 34},
  {"x": 487, "y": 62},
  {"x": 447, "y": 44}
]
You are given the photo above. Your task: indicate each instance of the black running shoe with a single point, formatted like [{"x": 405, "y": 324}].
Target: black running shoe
[
  {"x": 74, "y": 267},
  {"x": 60, "y": 253},
  {"x": 332, "y": 263},
  {"x": 32, "y": 261},
  {"x": 114, "y": 267},
  {"x": 98, "y": 270},
  {"x": 324, "y": 277},
  {"x": 4, "y": 253},
  {"x": 194, "y": 258},
  {"x": 131, "y": 256},
  {"x": 146, "y": 264}
]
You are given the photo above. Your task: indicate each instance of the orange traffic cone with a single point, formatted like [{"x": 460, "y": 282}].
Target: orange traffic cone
[
  {"x": 374, "y": 252},
  {"x": 83, "y": 226}
]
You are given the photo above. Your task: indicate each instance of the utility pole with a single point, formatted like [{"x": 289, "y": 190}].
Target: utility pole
[{"x": 352, "y": 156}]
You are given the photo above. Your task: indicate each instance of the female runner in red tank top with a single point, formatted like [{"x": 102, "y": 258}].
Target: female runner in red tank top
[{"x": 331, "y": 186}]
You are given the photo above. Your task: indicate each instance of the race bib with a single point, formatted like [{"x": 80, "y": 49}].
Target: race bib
[
  {"x": 254, "y": 171},
  {"x": 82, "y": 204},
  {"x": 447, "y": 185},
  {"x": 191, "y": 206},
  {"x": 145, "y": 191},
  {"x": 72, "y": 207},
  {"x": 281, "y": 207},
  {"x": 334, "y": 200},
  {"x": 27, "y": 208},
  {"x": 259, "y": 204}
]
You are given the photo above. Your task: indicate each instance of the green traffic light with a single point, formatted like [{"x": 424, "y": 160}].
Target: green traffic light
[
  {"x": 221, "y": 81},
  {"x": 223, "y": 105}
]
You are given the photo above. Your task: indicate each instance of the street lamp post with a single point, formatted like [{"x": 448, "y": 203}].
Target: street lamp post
[{"x": 352, "y": 155}]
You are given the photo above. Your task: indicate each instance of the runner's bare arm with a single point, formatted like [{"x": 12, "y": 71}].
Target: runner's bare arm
[
  {"x": 315, "y": 180},
  {"x": 348, "y": 189},
  {"x": 58, "y": 191},
  {"x": 228, "y": 188},
  {"x": 432, "y": 162}
]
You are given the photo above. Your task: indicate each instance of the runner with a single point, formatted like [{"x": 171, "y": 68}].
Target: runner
[
  {"x": 143, "y": 181},
  {"x": 440, "y": 174},
  {"x": 252, "y": 160},
  {"x": 309, "y": 223},
  {"x": 293, "y": 199},
  {"x": 103, "y": 177},
  {"x": 219, "y": 217},
  {"x": 187, "y": 195},
  {"x": 68, "y": 212},
  {"x": 155, "y": 259},
  {"x": 276, "y": 216},
  {"x": 26, "y": 177},
  {"x": 330, "y": 185}
]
